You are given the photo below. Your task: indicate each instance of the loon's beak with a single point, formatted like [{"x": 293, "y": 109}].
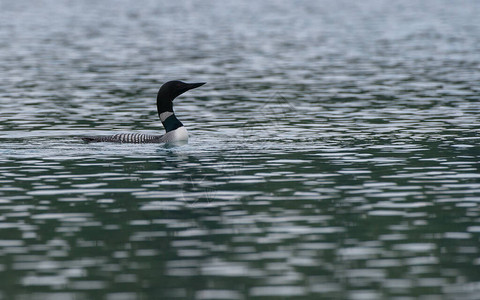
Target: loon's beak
[
  {"x": 188, "y": 86},
  {"x": 194, "y": 85}
]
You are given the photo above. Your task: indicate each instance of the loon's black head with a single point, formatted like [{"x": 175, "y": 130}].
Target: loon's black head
[{"x": 170, "y": 90}]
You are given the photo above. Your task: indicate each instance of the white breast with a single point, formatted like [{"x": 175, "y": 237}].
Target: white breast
[{"x": 179, "y": 135}]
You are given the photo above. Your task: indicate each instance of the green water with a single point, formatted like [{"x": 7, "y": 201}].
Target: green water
[{"x": 333, "y": 154}]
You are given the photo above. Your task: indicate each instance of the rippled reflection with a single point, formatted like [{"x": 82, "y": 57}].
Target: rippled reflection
[{"x": 333, "y": 154}]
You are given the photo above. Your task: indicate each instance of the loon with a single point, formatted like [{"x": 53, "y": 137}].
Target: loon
[{"x": 175, "y": 131}]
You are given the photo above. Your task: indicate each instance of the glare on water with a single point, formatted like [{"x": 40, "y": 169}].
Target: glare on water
[{"x": 333, "y": 153}]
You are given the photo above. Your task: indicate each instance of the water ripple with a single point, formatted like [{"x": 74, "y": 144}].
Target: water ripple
[{"x": 332, "y": 154}]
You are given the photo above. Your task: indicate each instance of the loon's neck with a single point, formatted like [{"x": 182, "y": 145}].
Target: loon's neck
[{"x": 170, "y": 121}]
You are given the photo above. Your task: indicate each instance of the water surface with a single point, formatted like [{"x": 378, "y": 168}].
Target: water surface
[{"x": 333, "y": 153}]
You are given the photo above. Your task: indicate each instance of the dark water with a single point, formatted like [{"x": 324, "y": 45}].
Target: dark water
[{"x": 334, "y": 152}]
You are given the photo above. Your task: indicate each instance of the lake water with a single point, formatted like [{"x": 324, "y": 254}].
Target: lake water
[{"x": 334, "y": 152}]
